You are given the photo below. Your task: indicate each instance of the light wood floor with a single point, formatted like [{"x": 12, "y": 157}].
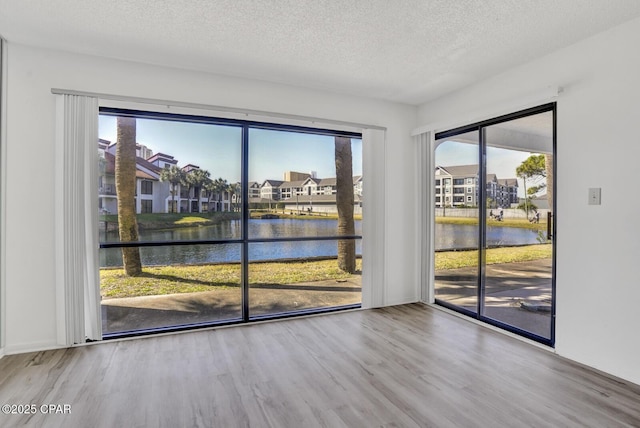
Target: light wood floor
[{"x": 403, "y": 366}]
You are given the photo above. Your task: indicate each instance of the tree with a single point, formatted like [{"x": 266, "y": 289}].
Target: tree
[
  {"x": 175, "y": 176},
  {"x": 216, "y": 187},
  {"x": 548, "y": 163},
  {"x": 125, "y": 174},
  {"x": 531, "y": 167},
  {"x": 234, "y": 190},
  {"x": 344, "y": 203},
  {"x": 197, "y": 179}
]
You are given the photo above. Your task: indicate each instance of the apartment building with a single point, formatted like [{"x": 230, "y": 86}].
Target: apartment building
[{"x": 458, "y": 185}]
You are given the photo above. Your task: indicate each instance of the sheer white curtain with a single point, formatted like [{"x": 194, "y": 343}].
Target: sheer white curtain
[
  {"x": 374, "y": 279},
  {"x": 424, "y": 227},
  {"x": 78, "y": 284}
]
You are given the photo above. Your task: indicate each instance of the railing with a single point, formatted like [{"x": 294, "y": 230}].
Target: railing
[{"x": 107, "y": 190}]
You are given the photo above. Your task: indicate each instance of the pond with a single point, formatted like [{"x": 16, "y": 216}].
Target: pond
[
  {"x": 457, "y": 236},
  {"x": 447, "y": 236},
  {"x": 231, "y": 229}
]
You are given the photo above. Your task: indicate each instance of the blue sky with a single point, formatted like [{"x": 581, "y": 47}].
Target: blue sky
[{"x": 218, "y": 148}]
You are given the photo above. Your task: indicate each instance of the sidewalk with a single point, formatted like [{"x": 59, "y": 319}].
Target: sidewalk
[
  {"x": 518, "y": 293},
  {"x": 145, "y": 312}
]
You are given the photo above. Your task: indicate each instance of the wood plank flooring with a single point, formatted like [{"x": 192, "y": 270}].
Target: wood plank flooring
[{"x": 402, "y": 366}]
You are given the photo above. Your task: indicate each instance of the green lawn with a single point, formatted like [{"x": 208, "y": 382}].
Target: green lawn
[
  {"x": 459, "y": 259},
  {"x": 516, "y": 222},
  {"x": 194, "y": 278}
]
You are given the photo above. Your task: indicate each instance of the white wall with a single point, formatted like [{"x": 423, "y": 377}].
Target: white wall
[
  {"x": 29, "y": 261},
  {"x": 598, "y": 273}
]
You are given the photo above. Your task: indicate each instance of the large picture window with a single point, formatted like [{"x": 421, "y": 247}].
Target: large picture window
[{"x": 235, "y": 220}]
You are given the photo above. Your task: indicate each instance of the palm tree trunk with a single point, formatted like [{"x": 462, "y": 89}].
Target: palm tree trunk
[
  {"x": 548, "y": 166},
  {"x": 344, "y": 203},
  {"x": 125, "y": 174}
]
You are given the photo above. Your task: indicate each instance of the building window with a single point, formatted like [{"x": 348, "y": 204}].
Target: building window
[
  {"x": 146, "y": 206},
  {"x": 469, "y": 199},
  {"x": 469, "y": 189},
  {"x": 146, "y": 187},
  {"x": 458, "y": 181}
]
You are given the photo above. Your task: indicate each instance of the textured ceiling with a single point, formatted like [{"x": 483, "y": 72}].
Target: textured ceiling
[{"x": 409, "y": 51}]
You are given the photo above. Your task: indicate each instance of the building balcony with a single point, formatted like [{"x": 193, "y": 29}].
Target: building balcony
[{"x": 108, "y": 189}]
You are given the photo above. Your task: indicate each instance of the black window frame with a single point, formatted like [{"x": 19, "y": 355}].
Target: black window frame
[
  {"x": 482, "y": 184},
  {"x": 245, "y": 240}
]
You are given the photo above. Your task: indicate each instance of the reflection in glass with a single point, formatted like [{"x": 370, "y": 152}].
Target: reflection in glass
[
  {"x": 518, "y": 288},
  {"x": 171, "y": 294},
  {"x": 456, "y": 229},
  {"x": 305, "y": 276}
]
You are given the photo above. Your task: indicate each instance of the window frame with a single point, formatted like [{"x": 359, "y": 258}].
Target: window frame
[
  {"x": 245, "y": 239},
  {"x": 482, "y": 184}
]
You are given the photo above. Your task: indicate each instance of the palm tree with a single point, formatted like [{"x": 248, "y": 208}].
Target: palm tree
[
  {"x": 344, "y": 203},
  {"x": 234, "y": 190},
  {"x": 196, "y": 179},
  {"x": 175, "y": 176},
  {"x": 125, "y": 175},
  {"x": 216, "y": 187}
]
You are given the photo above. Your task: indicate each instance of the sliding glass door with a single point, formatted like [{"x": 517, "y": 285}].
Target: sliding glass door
[
  {"x": 495, "y": 247},
  {"x": 456, "y": 227}
]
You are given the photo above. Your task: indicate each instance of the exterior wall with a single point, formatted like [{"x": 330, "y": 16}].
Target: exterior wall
[{"x": 598, "y": 110}]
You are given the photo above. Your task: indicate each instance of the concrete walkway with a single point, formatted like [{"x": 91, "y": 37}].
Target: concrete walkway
[
  {"x": 518, "y": 294},
  {"x": 147, "y": 312}
]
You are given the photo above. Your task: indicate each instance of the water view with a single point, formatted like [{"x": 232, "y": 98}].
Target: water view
[
  {"x": 460, "y": 236},
  {"x": 231, "y": 229}
]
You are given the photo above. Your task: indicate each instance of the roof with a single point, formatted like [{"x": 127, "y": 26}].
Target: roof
[
  {"x": 164, "y": 157},
  {"x": 110, "y": 167},
  {"x": 460, "y": 170},
  {"x": 508, "y": 182},
  {"x": 145, "y": 163},
  {"x": 142, "y": 174}
]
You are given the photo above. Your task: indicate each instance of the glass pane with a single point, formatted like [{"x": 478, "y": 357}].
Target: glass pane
[
  {"x": 180, "y": 179},
  {"x": 292, "y": 276},
  {"x": 456, "y": 229},
  {"x": 518, "y": 275},
  {"x": 303, "y": 185},
  {"x": 293, "y": 185},
  {"x": 173, "y": 289}
]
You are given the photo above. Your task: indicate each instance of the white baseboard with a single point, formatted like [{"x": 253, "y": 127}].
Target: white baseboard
[{"x": 23, "y": 348}]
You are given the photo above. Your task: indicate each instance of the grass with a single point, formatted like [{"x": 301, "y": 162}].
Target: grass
[
  {"x": 460, "y": 259},
  {"x": 522, "y": 223},
  {"x": 171, "y": 220},
  {"x": 175, "y": 279}
]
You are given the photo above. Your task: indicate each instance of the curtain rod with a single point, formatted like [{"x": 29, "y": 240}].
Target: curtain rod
[{"x": 153, "y": 101}]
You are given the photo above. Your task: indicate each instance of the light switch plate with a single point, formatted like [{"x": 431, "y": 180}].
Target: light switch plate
[{"x": 594, "y": 195}]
